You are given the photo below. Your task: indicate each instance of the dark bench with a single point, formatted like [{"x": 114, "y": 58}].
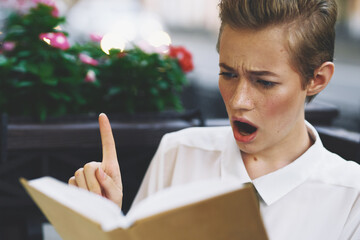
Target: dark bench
[{"x": 58, "y": 148}]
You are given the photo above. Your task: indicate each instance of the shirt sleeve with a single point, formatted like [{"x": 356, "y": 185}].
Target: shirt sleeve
[{"x": 158, "y": 175}]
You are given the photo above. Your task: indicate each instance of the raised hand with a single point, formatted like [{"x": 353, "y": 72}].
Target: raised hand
[{"x": 103, "y": 178}]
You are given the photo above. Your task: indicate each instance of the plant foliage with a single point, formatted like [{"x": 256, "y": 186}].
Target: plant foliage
[{"x": 42, "y": 75}]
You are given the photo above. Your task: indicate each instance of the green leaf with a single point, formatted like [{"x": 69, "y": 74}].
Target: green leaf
[
  {"x": 55, "y": 95},
  {"x": 24, "y": 84},
  {"x": 68, "y": 56},
  {"x": 24, "y": 53},
  {"x": 114, "y": 91},
  {"x": 44, "y": 70},
  {"x": 21, "y": 67},
  {"x": 154, "y": 91},
  {"x": 14, "y": 32},
  {"x": 42, "y": 112},
  {"x": 163, "y": 84},
  {"x": 160, "y": 104},
  {"x": 3, "y": 60},
  {"x": 51, "y": 81},
  {"x": 66, "y": 97}
]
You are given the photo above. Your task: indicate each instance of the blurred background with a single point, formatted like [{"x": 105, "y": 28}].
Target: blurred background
[{"x": 194, "y": 24}]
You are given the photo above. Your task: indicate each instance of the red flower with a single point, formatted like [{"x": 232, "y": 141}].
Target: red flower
[
  {"x": 57, "y": 40},
  {"x": 88, "y": 60},
  {"x": 122, "y": 54},
  {"x": 184, "y": 57}
]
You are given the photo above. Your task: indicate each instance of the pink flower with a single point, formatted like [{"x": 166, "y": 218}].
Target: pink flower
[
  {"x": 90, "y": 76},
  {"x": 8, "y": 46},
  {"x": 87, "y": 59},
  {"x": 184, "y": 57},
  {"x": 20, "y": 6},
  {"x": 147, "y": 48},
  {"x": 57, "y": 40},
  {"x": 95, "y": 37},
  {"x": 55, "y": 11}
]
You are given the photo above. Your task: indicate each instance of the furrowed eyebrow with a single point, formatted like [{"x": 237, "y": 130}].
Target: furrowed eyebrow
[
  {"x": 263, "y": 73},
  {"x": 228, "y": 68},
  {"x": 258, "y": 73}
]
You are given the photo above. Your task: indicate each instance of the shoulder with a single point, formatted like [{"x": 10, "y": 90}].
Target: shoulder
[
  {"x": 207, "y": 138},
  {"x": 333, "y": 169},
  {"x": 338, "y": 171}
]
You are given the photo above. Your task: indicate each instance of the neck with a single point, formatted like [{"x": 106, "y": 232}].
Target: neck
[{"x": 284, "y": 153}]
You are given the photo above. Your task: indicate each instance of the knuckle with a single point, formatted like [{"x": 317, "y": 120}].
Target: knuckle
[
  {"x": 71, "y": 180},
  {"x": 79, "y": 172},
  {"x": 91, "y": 166}
]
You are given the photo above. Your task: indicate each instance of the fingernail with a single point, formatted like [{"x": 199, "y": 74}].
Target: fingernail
[{"x": 102, "y": 173}]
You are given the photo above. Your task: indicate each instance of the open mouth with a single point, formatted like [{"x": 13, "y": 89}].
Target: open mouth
[{"x": 245, "y": 129}]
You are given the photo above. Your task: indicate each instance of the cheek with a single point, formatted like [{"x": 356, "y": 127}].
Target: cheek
[
  {"x": 277, "y": 113},
  {"x": 282, "y": 108},
  {"x": 276, "y": 106},
  {"x": 224, "y": 91}
]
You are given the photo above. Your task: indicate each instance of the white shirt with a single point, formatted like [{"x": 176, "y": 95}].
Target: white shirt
[{"x": 316, "y": 197}]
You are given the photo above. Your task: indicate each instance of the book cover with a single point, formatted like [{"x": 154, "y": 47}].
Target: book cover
[{"x": 208, "y": 210}]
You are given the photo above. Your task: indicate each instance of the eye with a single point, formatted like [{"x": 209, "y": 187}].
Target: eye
[
  {"x": 228, "y": 74},
  {"x": 266, "y": 84}
]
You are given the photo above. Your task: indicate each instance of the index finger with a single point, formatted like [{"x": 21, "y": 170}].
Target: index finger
[{"x": 107, "y": 142}]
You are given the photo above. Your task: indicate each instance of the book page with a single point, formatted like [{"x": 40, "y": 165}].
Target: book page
[
  {"x": 181, "y": 195},
  {"x": 90, "y": 205},
  {"x": 109, "y": 215}
]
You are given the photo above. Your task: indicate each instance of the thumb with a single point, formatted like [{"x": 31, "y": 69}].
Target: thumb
[
  {"x": 109, "y": 188},
  {"x": 110, "y": 162}
]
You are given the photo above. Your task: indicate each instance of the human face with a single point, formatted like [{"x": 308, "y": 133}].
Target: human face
[{"x": 262, "y": 92}]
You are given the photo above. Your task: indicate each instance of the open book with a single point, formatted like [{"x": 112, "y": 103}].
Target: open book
[{"x": 204, "y": 210}]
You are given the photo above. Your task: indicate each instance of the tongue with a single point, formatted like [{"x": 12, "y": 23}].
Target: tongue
[{"x": 244, "y": 133}]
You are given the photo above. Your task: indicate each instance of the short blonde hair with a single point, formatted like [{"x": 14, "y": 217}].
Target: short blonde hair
[{"x": 310, "y": 27}]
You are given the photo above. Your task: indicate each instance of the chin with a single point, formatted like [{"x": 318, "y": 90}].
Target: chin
[{"x": 248, "y": 148}]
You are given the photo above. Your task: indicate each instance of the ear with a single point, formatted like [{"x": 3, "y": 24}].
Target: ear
[{"x": 322, "y": 76}]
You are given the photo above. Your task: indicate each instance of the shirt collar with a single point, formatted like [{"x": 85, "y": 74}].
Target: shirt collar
[{"x": 275, "y": 185}]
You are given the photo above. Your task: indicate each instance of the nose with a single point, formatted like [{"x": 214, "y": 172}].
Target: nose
[{"x": 243, "y": 95}]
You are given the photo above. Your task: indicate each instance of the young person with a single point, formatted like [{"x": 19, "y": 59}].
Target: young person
[{"x": 274, "y": 56}]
